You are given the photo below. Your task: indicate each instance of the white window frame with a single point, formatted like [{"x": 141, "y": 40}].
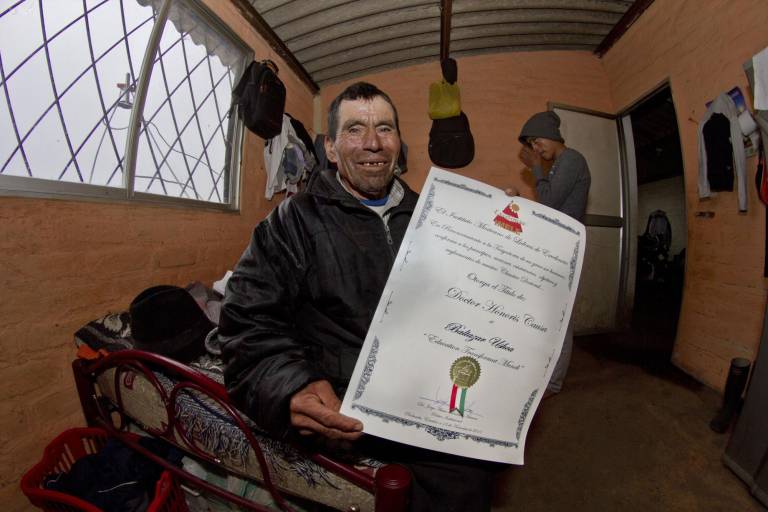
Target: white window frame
[{"x": 28, "y": 186}]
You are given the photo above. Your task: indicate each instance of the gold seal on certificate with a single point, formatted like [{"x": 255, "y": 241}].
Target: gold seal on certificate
[{"x": 464, "y": 373}]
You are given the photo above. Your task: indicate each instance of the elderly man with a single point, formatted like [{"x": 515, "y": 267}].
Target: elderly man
[
  {"x": 298, "y": 306},
  {"x": 565, "y": 188}
]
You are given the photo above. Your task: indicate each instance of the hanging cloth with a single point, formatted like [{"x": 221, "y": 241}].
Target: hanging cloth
[{"x": 726, "y": 108}]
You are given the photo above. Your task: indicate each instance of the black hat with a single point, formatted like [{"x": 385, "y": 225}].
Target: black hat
[
  {"x": 544, "y": 124},
  {"x": 166, "y": 320}
]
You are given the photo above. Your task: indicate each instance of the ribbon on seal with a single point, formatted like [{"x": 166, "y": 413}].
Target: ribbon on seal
[
  {"x": 463, "y": 398},
  {"x": 465, "y": 371}
]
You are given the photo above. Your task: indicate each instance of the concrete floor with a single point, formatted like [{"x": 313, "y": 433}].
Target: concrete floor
[{"x": 629, "y": 432}]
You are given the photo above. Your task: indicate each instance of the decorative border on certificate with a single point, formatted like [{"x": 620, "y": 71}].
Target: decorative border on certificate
[
  {"x": 404, "y": 262},
  {"x": 365, "y": 378},
  {"x": 428, "y": 204},
  {"x": 440, "y": 433},
  {"x": 386, "y": 309},
  {"x": 574, "y": 258},
  {"x": 462, "y": 186},
  {"x": 556, "y": 222},
  {"x": 524, "y": 413}
]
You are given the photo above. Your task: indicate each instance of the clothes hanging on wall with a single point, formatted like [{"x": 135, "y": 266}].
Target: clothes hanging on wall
[
  {"x": 303, "y": 134},
  {"x": 761, "y": 118},
  {"x": 756, "y": 69},
  {"x": 717, "y": 144},
  {"x": 719, "y": 156},
  {"x": 287, "y": 160},
  {"x": 760, "y": 87},
  {"x": 322, "y": 158}
]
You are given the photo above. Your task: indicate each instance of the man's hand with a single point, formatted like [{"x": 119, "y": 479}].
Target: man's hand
[
  {"x": 512, "y": 191},
  {"x": 529, "y": 157},
  {"x": 315, "y": 410}
]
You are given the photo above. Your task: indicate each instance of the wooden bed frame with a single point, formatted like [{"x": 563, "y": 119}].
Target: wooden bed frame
[{"x": 389, "y": 486}]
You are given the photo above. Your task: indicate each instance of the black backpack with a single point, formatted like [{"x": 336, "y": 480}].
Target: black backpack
[
  {"x": 260, "y": 99},
  {"x": 451, "y": 143},
  {"x": 659, "y": 230},
  {"x": 653, "y": 248}
]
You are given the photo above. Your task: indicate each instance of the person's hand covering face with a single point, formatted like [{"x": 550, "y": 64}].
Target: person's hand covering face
[
  {"x": 546, "y": 149},
  {"x": 366, "y": 147},
  {"x": 529, "y": 157}
]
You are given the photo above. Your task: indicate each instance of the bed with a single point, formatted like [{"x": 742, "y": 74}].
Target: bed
[{"x": 126, "y": 390}]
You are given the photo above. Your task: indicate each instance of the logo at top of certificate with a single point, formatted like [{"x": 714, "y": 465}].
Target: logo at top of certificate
[{"x": 509, "y": 219}]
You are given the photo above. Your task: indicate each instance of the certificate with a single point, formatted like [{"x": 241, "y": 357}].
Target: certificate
[{"x": 471, "y": 322}]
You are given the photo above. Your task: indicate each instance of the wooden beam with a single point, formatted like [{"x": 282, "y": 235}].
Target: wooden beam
[
  {"x": 445, "y": 28},
  {"x": 626, "y": 21},
  {"x": 273, "y": 40}
]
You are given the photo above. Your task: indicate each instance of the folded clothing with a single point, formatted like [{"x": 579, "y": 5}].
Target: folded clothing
[
  {"x": 111, "y": 333},
  {"x": 116, "y": 478}
]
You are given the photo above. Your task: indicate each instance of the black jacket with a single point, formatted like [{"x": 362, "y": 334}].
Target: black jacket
[{"x": 299, "y": 302}]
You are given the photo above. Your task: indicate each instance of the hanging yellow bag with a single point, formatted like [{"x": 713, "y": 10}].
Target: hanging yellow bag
[{"x": 444, "y": 100}]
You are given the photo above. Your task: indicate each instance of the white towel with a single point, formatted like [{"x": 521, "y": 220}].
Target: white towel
[
  {"x": 221, "y": 284},
  {"x": 760, "y": 65},
  {"x": 747, "y": 123}
]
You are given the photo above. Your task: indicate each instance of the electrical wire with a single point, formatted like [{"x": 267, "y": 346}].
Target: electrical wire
[
  {"x": 152, "y": 124},
  {"x": 101, "y": 141}
]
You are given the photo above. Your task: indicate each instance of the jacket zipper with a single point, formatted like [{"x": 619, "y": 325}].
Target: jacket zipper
[
  {"x": 387, "y": 232},
  {"x": 390, "y": 243}
]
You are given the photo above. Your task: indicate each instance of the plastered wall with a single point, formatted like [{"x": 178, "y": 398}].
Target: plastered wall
[
  {"x": 699, "y": 47},
  {"x": 67, "y": 262}
]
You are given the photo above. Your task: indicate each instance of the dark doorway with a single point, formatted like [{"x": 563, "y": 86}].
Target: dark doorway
[{"x": 661, "y": 224}]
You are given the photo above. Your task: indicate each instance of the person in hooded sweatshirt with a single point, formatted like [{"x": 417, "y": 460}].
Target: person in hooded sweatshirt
[{"x": 564, "y": 187}]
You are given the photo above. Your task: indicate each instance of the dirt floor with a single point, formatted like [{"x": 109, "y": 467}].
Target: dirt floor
[{"x": 629, "y": 432}]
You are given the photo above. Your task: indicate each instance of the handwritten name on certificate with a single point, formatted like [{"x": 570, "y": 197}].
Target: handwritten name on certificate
[{"x": 471, "y": 322}]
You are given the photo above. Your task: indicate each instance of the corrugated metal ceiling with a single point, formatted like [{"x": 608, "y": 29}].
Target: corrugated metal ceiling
[{"x": 339, "y": 39}]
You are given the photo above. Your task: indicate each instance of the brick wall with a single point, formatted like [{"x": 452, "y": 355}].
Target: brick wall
[
  {"x": 66, "y": 262},
  {"x": 699, "y": 47},
  {"x": 498, "y": 93}
]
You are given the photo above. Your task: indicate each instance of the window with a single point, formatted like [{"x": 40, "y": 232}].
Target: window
[{"x": 119, "y": 99}]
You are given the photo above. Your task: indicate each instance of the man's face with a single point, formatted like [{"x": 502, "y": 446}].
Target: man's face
[
  {"x": 366, "y": 147},
  {"x": 545, "y": 148}
]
